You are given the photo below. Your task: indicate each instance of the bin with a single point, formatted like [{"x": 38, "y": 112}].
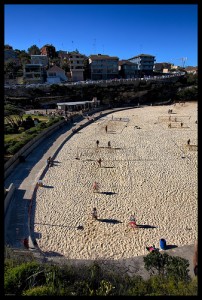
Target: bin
[{"x": 163, "y": 244}]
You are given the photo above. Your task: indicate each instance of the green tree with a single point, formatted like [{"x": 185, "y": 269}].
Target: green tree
[
  {"x": 24, "y": 57},
  {"x": 13, "y": 116},
  {"x": 66, "y": 67},
  {"x": 34, "y": 50},
  {"x": 10, "y": 68}
]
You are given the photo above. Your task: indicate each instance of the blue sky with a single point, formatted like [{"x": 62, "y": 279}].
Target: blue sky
[{"x": 167, "y": 31}]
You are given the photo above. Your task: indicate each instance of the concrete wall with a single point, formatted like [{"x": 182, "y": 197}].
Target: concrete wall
[{"x": 9, "y": 195}]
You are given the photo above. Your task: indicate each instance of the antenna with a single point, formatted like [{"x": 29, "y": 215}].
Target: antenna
[{"x": 183, "y": 59}]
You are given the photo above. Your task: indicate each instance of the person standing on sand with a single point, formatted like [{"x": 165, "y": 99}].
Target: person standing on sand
[
  {"x": 106, "y": 128},
  {"x": 49, "y": 161},
  {"x": 109, "y": 144},
  {"x": 188, "y": 142},
  {"x": 94, "y": 213},
  {"x": 99, "y": 162},
  {"x": 97, "y": 142},
  {"x": 95, "y": 186},
  {"x": 132, "y": 222}
]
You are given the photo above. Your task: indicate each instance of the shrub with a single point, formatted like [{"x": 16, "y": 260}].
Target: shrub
[
  {"x": 41, "y": 125},
  {"x": 53, "y": 121},
  {"x": 21, "y": 129},
  {"x": 41, "y": 291},
  {"x": 166, "y": 265},
  {"x": 136, "y": 286},
  {"x": 14, "y": 148},
  {"x": 17, "y": 278},
  {"x": 8, "y": 129}
]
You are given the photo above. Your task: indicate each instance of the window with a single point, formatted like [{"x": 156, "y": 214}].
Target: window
[{"x": 52, "y": 74}]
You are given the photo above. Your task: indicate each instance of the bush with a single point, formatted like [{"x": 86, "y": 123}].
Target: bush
[
  {"x": 17, "y": 278},
  {"x": 14, "y": 148},
  {"x": 41, "y": 291},
  {"x": 166, "y": 265},
  {"x": 53, "y": 121},
  {"x": 33, "y": 279},
  {"x": 8, "y": 129},
  {"x": 41, "y": 125},
  {"x": 21, "y": 129}
]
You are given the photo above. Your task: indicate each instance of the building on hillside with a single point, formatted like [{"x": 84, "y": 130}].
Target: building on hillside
[
  {"x": 34, "y": 73},
  {"x": 192, "y": 70},
  {"x": 145, "y": 63},
  {"x": 127, "y": 69},
  {"x": 40, "y": 59},
  {"x": 162, "y": 67},
  {"x": 78, "y": 105},
  {"x": 48, "y": 50},
  {"x": 76, "y": 64},
  {"x": 56, "y": 75},
  {"x": 103, "y": 67}
]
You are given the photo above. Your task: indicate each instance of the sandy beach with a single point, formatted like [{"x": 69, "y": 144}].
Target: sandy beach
[{"x": 149, "y": 171}]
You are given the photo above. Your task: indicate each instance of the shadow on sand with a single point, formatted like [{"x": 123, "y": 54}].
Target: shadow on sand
[
  {"x": 107, "y": 193},
  {"x": 48, "y": 186},
  {"x": 171, "y": 247},
  {"x": 146, "y": 226},
  {"x": 112, "y": 221}
]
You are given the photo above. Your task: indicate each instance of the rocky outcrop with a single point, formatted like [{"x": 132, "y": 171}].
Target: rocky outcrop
[{"x": 114, "y": 93}]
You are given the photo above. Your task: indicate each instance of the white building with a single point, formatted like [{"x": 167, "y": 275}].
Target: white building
[{"x": 56, "y": 75}]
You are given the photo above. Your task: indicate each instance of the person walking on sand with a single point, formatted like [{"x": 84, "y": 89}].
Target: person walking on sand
[
  {"x": 99, "y": 162},
  {"x": 109, "y": 144},
  {"x": 94, "y": 213},
  {"x": 188, "y": 142},
  {"x": 106, "y": 128},
  {"x": 97, "y": 142},
  {"x": 95, "y": 186}
]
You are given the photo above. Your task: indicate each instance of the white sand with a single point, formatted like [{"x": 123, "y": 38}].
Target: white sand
[{"x": 145, "y": 174}]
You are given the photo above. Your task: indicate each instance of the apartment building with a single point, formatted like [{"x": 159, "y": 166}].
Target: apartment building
[
  {"x": 76, "y": 64},
  {"x": 39, "y": 59},
  {"x": 145, "y": 63},
  {"x": 127, "y": 69},
  {"x": 103, "y": 67},
  {"x": 34, "y": 73}
]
